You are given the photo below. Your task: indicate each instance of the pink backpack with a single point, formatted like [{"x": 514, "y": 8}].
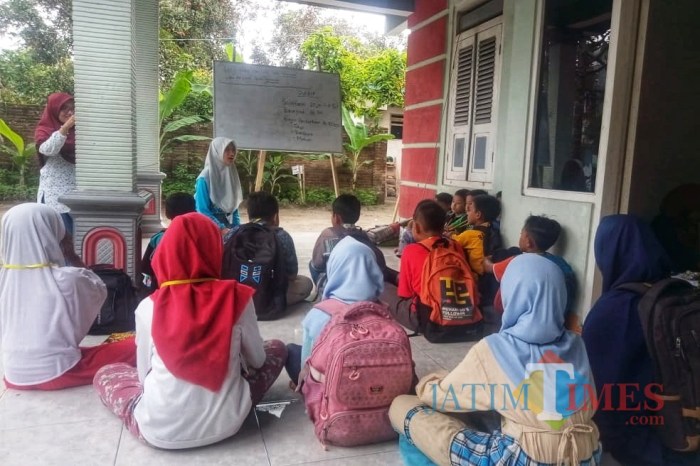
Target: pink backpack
[{"x": 358, "y": 365}]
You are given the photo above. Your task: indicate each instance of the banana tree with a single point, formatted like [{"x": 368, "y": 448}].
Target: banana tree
[
  {"x": 167, "y": 103},
  {"x": 359, "y": 139},
  {"x": 21, "y": 153}
]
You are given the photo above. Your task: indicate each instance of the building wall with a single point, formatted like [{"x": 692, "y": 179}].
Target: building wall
[
  {"x": 421, "y": 172},
  {"x": 425, "y": 77},
  {"x": 666, "y": 144}
]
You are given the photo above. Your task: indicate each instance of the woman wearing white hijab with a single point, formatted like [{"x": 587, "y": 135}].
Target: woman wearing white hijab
[
  {"x": 217, "y": 191},
  {"x": 46, "y": 309}
]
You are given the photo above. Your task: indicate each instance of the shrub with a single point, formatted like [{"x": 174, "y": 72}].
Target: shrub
[
  {"x": 181, "y": 180},
  {"x": 319, "y": 196},
  {"x": 367, "y": 196},
  {"x": 10, "y": 189}
]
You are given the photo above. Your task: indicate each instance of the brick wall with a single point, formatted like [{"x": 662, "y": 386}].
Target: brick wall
[{"x": 23, "y": 120}]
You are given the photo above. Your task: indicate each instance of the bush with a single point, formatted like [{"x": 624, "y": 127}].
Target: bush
[
  {"x": 367, "y": 196},
  {"x": 9, "y": 186},
  {"x": 181, "y": 180},
  {"x": 319, "y": 196}
]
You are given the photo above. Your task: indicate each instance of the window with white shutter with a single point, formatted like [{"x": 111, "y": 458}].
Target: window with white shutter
[{"x": 473, "y": 99}]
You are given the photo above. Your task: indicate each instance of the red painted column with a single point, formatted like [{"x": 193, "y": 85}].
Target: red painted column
[{"x": 423, "y": 102}]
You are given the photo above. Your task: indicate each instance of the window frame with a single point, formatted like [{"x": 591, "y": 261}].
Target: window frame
[
  {"x": 603, "y": 145},
  {"x": 466, "y": 175}
]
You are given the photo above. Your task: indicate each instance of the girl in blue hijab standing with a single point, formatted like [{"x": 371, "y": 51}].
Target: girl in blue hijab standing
[
  {"x": 524, "y": 373},
  {"x": 626, "y": 251},
  {"x": 353, "y": 276}
]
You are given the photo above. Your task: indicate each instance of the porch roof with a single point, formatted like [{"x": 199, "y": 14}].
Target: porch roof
[{"x": 395, "y": 11}]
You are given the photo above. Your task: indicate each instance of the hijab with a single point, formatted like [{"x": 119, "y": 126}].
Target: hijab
[
  {"x": 534, "y": 298},
  {"x": 353, "y": 273},
  {"x": 625, "y": 251},
  {"x": 49, "y": 124},
  {"x": 194, "y": 311},
  {"x": 223, "y": 182},
  {"x": 45, "y": 309}
]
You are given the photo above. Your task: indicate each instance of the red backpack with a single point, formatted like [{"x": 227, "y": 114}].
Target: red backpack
[{"x": 449, "y": 299}]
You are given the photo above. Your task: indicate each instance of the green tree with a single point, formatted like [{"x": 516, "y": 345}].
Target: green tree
[
  {"x": 44, "y": 26},
  {"x": 168, "y": 103},
  {"x": 369, "y": 78},
  {"x": 359, "y": 139}
]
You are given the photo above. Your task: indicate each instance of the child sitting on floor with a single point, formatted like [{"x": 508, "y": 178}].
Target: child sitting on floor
[
  {"x": 353, "y": 276},
  {"x": 428, "y": 222},
  {"x": 537, "y": 235},
  {"x": 444, "y": 200},
  {"x": 456, "y": 220},
  {"x": 176, "y": 204},
  {"x": 480, "y": 240}
]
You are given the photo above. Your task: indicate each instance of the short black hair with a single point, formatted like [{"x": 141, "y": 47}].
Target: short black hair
[
  {"x": 445, "y": 198},
  {"x": 348, "y": 207},
  {"x": 477, "y": 192},
  {"x": 430, "y": 215},
  {"x": 463, "y": 193},
  {"x": 179, "y": 204},
  {"x": 262, "y": 205},
  {"x": 489, "y": 206},
  {"x": 543, "y": 231}
]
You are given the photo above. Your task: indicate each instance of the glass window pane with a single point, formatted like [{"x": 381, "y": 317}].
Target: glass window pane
[
  {"x": 571, "y": 90},
  {"x": 458, "y": 156},
  {"x": 480, "y": 153}
]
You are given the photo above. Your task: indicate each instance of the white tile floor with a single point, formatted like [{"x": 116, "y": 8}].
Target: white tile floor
[{"x": 71, "y": 427}]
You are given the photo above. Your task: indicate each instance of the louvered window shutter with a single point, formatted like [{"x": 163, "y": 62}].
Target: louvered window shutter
[
  {"x": 486, "y": 78},
  {"x": 473, "y": 103},
  {"x": 461, "y": 109}
]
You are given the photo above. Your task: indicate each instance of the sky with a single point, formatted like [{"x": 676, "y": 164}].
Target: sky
[{"x": 265, "y": 22}]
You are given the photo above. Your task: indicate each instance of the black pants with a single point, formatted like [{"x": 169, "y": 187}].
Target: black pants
[{"x": 400, "y": 308}]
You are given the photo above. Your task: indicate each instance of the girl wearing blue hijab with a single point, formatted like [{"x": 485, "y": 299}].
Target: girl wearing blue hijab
[
  {"x": 353, "y": 276},
  {"x": 524, "y": 373},
  {"x": 626, "y": 251}
]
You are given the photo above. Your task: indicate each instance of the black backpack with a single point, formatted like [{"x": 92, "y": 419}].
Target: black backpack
[
  {"x": 253, "y": 257},
  {"x": 117, "y": 313},
  {"x": 669, "y": 311}
]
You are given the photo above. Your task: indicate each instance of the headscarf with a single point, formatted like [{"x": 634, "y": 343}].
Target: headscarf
[
  {"x": 45, "y": 309},
  {"x": 625, "y": 251},
  {"x": 49, "y": 124},
  {"x": 353, "y": 273},
  {"x": 223, "y": 182},
  {"x": 533, "y": 331},
  {"x": 194, "y": 311}
]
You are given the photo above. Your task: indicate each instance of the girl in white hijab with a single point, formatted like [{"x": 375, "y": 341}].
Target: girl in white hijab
[
  {"x": 217, "y": 191},
  {"x": 46, "y": 309}
]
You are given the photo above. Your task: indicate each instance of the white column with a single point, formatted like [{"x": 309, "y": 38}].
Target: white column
[{"x": 148, "y": 176}]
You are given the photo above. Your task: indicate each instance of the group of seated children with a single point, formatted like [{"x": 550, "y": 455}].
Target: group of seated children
[{"x": 200, "y": 363}]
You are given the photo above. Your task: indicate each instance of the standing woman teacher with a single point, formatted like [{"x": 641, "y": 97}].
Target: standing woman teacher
[
  {"x": 55, "y": 143},
  {"x": 217, "y": 190}
]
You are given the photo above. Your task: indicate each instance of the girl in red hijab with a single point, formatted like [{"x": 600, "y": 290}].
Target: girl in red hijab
[
  {"x": 201, "y": 362},
  {"x": 55, "y": 144}
]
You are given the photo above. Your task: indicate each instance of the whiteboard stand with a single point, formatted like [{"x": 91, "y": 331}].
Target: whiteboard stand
[
  {"x": 261, "y": 170},
  {"x": 334, "y": 174}
]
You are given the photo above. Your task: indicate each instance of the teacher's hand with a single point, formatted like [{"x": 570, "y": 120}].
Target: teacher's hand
[{"x": 70, "y": 122}]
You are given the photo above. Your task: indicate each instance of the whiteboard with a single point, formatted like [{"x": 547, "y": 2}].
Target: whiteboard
[{"x": 275, "y": 108}]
